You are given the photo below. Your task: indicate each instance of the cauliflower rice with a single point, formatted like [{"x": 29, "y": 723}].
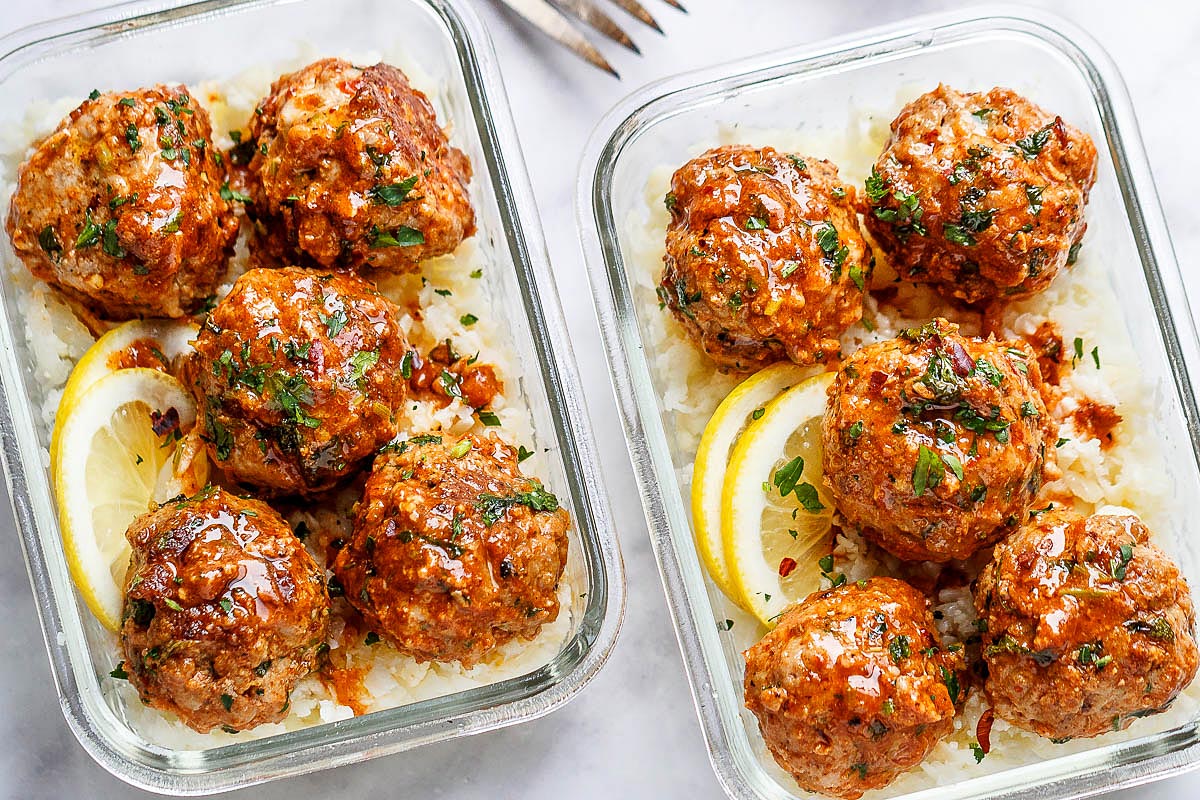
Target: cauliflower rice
[
  {"x": 1082, "y": 304},
  {"x": 434, "y": 305}
]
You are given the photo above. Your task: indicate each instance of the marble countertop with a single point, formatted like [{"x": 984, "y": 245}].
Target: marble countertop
[{"x": 633, "y": 732}]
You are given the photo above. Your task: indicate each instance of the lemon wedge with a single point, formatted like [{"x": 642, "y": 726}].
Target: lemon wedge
[
  {"x": 776, "y": 515},
  {"x": 742, "y": 406},
  {"x": 151, "y": 343},
  {"x": 111, "y": 466}
]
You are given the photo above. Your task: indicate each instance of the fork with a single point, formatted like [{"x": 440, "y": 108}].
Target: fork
[{"x": 553, "y": 17}]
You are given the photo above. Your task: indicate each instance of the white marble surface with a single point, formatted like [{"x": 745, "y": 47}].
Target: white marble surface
[{"x": 633, "y": 732}]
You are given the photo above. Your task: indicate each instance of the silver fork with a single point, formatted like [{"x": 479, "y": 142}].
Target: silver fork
[{"x": 553, "y": 17}]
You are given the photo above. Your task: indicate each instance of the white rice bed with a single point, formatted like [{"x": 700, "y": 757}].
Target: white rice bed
[
  {"x": 56, "y": 340},
  {"x": 1080, "y": 302}
]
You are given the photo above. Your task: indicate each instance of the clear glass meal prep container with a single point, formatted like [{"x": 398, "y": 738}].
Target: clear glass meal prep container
[
  {"x": 140, "y": 43},
  {"x": 810, "y": 88}
]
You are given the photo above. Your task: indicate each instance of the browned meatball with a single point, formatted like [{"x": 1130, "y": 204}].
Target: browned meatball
[
  {"x": 224, "y": 611},
  {"x": 454, "y": 551},
  {"x": 121, "y": 206},
  {"x": 980, "y": 194},
  {"x": 350, "y": 169},
  {"x": 299, "y": 377},
  {"x": 935, "y": 444},
  {"x": 1089, "y": 625},
  {"x": 765, "y": 260},
  {"x": 853, "y": 687}
]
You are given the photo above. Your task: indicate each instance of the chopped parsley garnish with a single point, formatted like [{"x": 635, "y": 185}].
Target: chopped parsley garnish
[
  {"x": 226, "y": 604},
  {"x": 360, "y": 362},
  {"x": 899, "y": 649},
  {"x": 981, "y": 113},
  {"x": 856, "y": 276},
  {"x": 131, "y": 136},
  {"x": 402, "y": 236},
  {"x": 221, "y": 438},
  {"x": 371, "y": 638},
  {"x": 335, "y": 322},
  {"x": 468, "y": 320},
  {"x": 956, "y": 234},
  {"x": 173, "y": 225},
  {"x": 954, "y": 464},
  {"x": 977, "y": 751},
  {"x": 1034, "y": 195},
  {"x": 128, "y": 102},
  {"x": 94, "y": 94},
  {"x": 756, "y": 224},
  {"x": 1096, "y": 356},
  {"x": 987, "y": 370},
  {"x": 392, "y": 194},
  {"x": 876, "y": 186},
  {"x": 90, "y": 234},
  {"x": 488, "y": 418},
  {"x": 1120, "y": 564},
  {"x": 493, "y": 507},
  {"x": 725, "y": 625},
  {"x": 906, "y": 219},
  {"x": 831, "y": 246},
  {"x": 119, "y": 672},
  {"x": 1073, "y": 253},
  {"x": 49, "y": 242},
  {"x": 523, "y": 453},
  {"x": 670, "y": 201},
  {"x": 406, "y": 365},
  {"x": 1031, "y": 146},
  {"x": 928, "y": 472},
  {"x": 109, "y": 241},
  {"x": 450, "y": 383},
  {"x": 1159, "y": 629},
  {"x": 229, "y": 195},
  {"x": 951, "y": 681},
  {"x": 227, "y": 701}
]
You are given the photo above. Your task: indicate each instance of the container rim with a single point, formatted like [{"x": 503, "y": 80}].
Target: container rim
[
  {"x": 630, "y": 374},
  {"x": 384, "y": 732}
]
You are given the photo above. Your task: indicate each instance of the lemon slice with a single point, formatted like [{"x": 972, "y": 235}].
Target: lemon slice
[
  {"x": 151, "y": 343},
  {"x": 112, "y": 467},
  {"x": 776, "y": 515},
  {"x": 747, "y": 401}
]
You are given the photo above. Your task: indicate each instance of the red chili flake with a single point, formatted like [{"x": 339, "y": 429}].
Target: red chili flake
[
  {"x": 164, "y": 423},
  {"x": 959, "y": 359},
  {"x": 983, "y": 731},
  {"x": 1060, "y": 128},
  {"x": 877, "y": 380},
  {"x": 786, "y": 566}
]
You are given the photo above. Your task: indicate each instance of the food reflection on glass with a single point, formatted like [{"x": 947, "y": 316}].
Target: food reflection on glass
[
  {"x": 291, "y": 483},
  {"x": 920, "y": 477}
]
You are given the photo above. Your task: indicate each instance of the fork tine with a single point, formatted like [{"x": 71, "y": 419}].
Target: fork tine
[
  {"x": 592, "y": 15},
  {"x": 550, "y": 21},
  {"x": 638, "y": 11}
]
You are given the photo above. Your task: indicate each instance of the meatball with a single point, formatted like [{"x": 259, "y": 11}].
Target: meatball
[
  {"x": 1089, "y": 625},
  {"x": 224, "y": 611},
  {"x": 853, "y": 687},
  {"x": 980, "y": 194},
  {"x": 765, "y": 260},
  {"x": 121, "y": 206},
  {"x": 348, "y": 168},
  {"x": 935, "y": 444},
  {"x": 454, "y": 551},
  {"x": 299, "y": 377}
]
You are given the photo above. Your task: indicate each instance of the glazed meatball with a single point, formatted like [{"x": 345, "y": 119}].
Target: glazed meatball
[
  {"x": 299, "y": 377},
  {"x": 1089, "y": 625},
  {"x": 853, "y": 687},
  {"x": 765, "y": 260},
  {"x": 454, "y": 551},
  {"x": 936, "y": 444},
  {"x": 350, "y": 169},
  {"x": 980, "y": 194},
  {"x": 121, "y": 206},
  {"x": 224, "y": 611}
]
